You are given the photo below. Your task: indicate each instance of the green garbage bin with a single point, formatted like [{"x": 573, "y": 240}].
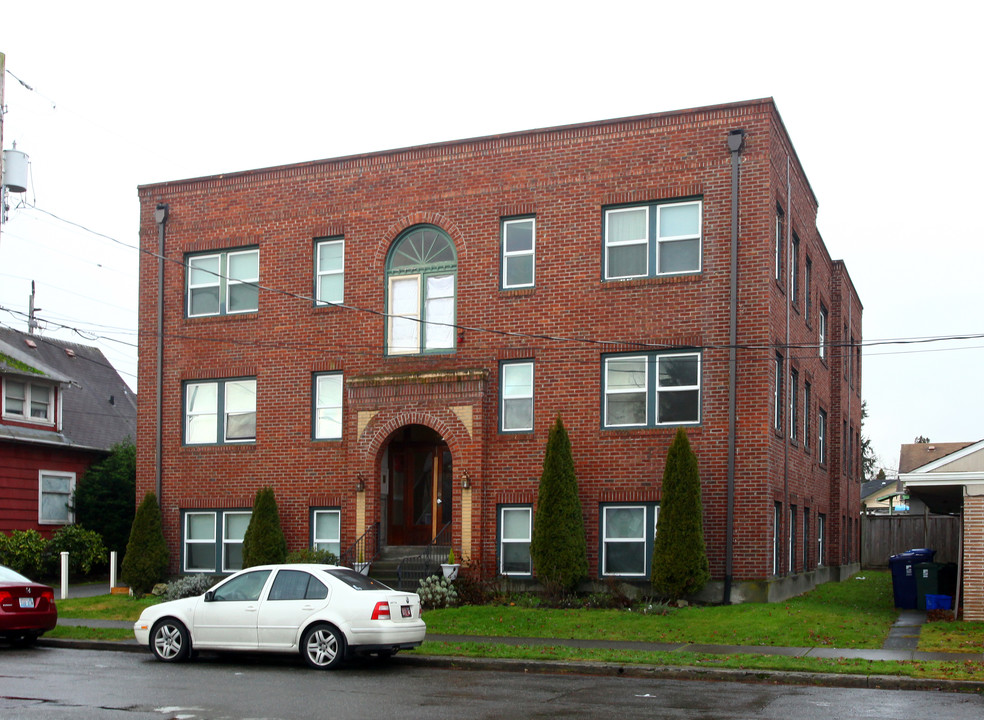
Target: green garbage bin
[{"x": 927, "y": 582}]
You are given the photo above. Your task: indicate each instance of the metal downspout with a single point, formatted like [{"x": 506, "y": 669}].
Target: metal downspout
[
  {"x": 736, "y": 140},
  {"x": 160, "y": 217}
]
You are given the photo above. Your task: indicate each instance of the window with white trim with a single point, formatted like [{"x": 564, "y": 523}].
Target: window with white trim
[
  {"x": 223, "y": 283},
  {"x": 780, "y": 239},
  {"x": 28, "y": 401},
  {"x": 627, "y": 534},
  {"x": 328, "y": 389},
  {"x": 518, "y": 253},
  {"x": 822, "y": 333},
  {"x": 517, "y": 396},
  {"x": 807, "y": 391},
  {"x": 220, "y": 411},
  {"x": 821, "y": 538},
  {"x": 515, "y": 535},
  {"x": 326, "y": 530},
  {"x": 651, "y": 389},
  {"x": 212, "y": 540},
  {"x": 234, "y": 525},
  {"x": 654, "y": 239},
  {"x": 421, "y": 271},
  {"x": 55, "y": 497},
  {"x": 329, "y": 270},
  {"x": 793, "y": 404},
  {"x": 776, "y": 537},
  {"x": 822, "y": 436},
  {"x": 792, "y": 539}
]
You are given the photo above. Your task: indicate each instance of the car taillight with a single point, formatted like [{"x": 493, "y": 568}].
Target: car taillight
[
  {"x": 382, "y": 611},
  {"x": 5, "y": 598},
  {"x": 48, "y": 595}
]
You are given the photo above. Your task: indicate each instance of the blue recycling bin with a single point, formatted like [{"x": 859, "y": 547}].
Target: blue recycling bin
[{"x": 904, "y": 575}]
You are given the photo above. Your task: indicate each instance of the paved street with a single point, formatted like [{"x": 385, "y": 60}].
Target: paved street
[{"x": 57, "y": 683}]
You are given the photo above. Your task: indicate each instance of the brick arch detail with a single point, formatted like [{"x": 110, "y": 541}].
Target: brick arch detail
[
  {"x": 445, "y": 422},
  {"x": 421, "y": 218}
]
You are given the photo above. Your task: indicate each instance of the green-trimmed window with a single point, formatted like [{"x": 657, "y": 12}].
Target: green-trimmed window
[
  {"x": 627, "y": 534},
  {"x": 654, "y": 239},
  {"x": 518, "y": 253},
  {"x": 328, "y": 406},
  {"x": 515, "y": 535},
  {"x": 516, "y": 390},
  {"x": 223, "y": 283},
  {"x": 329, "y": 270},
  {"x": 220, "y": 411},
  {"x": 646, "y": 390},
  {"x": 421, "y": 275},
  {"x": 326, "y": 530},
  {"x": 212, "y": 540}
]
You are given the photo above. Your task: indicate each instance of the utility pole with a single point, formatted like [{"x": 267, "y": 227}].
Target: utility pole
[{"x": 32, "y": 323}]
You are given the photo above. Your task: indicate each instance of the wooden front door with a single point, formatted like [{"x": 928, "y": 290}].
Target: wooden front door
[{"x": 420, "y": 492}]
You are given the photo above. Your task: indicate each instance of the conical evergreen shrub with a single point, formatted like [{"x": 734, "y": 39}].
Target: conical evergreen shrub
[
  {"x": 146, "y": 561},
  {"x": 679, "y": 556},
  {"x": 558, "y": 547},
  {"x": 264, "y": 542}
]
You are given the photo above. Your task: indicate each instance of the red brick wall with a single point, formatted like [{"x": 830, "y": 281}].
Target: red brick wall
[
  {"x": 564, "y": 177},
  {"x": 973, "y": 549}
]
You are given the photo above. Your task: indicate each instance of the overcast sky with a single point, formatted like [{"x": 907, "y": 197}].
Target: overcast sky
[{"x": 882, "y": 101}]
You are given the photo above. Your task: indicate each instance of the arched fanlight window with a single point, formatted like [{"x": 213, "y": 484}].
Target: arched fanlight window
[{"x": 421, "y": 272}]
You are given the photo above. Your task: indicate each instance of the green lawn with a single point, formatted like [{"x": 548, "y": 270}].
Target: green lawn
[{"x": 856, "y": 613}]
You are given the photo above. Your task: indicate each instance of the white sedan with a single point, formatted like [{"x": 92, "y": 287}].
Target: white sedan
[{"x": 324, "y": 612}]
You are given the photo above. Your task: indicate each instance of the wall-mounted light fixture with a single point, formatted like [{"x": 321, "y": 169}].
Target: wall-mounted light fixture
[
  {"x": 465, "y": 480},
  {"x": 361, "y": 485}
]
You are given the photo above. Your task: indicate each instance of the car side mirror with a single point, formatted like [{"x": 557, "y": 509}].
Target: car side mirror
[{"x": 209, "y": 596}]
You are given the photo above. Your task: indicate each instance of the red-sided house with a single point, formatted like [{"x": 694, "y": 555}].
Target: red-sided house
[
  {"x": 63, "y": 409},
  {"x": 386, "y": 340}
]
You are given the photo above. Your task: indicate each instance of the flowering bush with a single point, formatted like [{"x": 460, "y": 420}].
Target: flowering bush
[{"x": 437, "y": 592}]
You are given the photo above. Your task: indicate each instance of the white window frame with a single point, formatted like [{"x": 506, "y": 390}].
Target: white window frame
[
  {"x": 507, "y": 254},
  {"x": 821, "y": 537},
  {"x": 320, "y": 543},
  {"x": 321, "y": 272},
  {"x": 662, "y": 240},
  {"x": 228, "y": 542},
  {"x": 69, "y": 515},
  {"x": 606, "y": 540},
  {"x": 822, "y": 436},
  {"x": 653, "y": 390},
  {"x": 822, "y": 333},
  {"x": 793, "y": 404},
  {"x": 780, "y": 239},
  {"x": 514, "y": 396},
  {"x": 323, "y": 404},
  {"x": 186, "y": 541},
  {"x": 528, "y": 509},
  {"x": 409, "y": 314},
  {"x": 223, "y": 281},
  {"x": 653, "y": 240},
  {"x": 791, "y": 540},
  {"x": 220, "y": 411},
  {"x": 777, "y": 394},
  {"x": 27, "y": 414},
  {"x": 609, "y": 243}
]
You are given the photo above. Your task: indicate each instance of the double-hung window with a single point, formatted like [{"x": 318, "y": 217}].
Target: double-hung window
[
  {"x": 807, "y": 391},
  {"x": 328, "y": 406},
  {"x": 821, "y": 529},
  {"x": 220, "y": 411},
  {"x": 515, "y": 535},
  {"x": 212, "y": 540},
  {"x": 223, "y": 283},
  {"x": 780, "y": 239},
  {"x": 652, "y": 389},
  {"x": 517, "y": 396},
  {"x": 326, "y": 533},
  {"x": 329, "y": 270},
  {"x": 28, "y": 401},
  {"x": 421, "y": 272},
  {"x": 627, "y": 534},
  {"x": 777, "y": 398},
  {"x": 654, "y": 239},
  {"x": 518, "y": 253},
  {"x": 822, "y": 436},
  {"x": 822, "y": 333},
  {"x": 55, "y": 497},
  {"x": 793, "y": 404}
]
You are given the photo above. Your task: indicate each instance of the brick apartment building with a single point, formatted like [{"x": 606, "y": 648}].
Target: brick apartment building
[{"x": 387, "y": 339}]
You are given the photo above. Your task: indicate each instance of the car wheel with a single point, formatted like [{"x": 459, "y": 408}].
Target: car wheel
[
  {"x": 169, "y": 641},
  {"x": 323, "y": 647}
]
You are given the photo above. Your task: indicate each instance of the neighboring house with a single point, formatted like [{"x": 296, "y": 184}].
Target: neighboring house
[
  {"x": 63, "y": 409},
  {"x": 386, "y": 340},
  {"x": 889, "y": 497},
  {"x": 951, "y": 480}
]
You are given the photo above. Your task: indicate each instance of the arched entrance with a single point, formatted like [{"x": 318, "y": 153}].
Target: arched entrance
[{"x": 417, "y": 496}]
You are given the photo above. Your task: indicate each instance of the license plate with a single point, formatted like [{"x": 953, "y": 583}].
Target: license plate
[
  {"x": 405, "y": 611},
  {"x": 27, "y": 602}
]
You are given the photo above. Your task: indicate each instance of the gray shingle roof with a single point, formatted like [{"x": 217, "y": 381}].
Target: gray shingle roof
[{"x": 98, "y": 409}]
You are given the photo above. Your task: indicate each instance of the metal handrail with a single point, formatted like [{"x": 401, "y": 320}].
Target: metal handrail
[
  {"x": 411, "y": 570},
  {"x": 365, "y": 547}
]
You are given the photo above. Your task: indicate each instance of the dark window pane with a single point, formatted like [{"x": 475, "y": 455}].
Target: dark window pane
[{"x": 676, "y": 407}]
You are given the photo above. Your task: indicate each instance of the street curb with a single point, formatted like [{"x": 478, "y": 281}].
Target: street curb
[{"x": 645, "y": 672}]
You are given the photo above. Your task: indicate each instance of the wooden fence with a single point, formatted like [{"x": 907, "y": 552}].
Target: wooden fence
[{"x": 885, "y": 535}]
